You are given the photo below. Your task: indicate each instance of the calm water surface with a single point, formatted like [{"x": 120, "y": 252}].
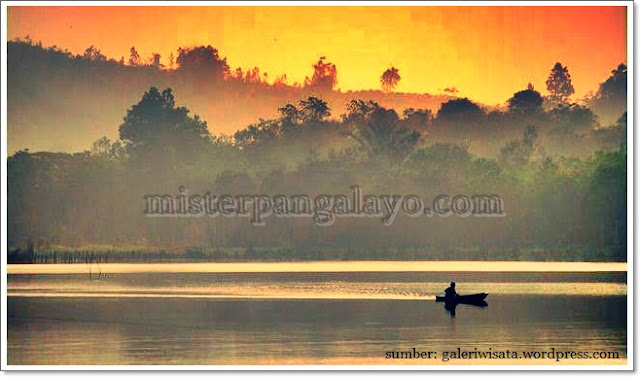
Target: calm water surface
[{"x": 313, "y": 317}]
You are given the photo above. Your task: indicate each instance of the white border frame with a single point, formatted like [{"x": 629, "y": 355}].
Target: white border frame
[{"x": 630, "y": 191}]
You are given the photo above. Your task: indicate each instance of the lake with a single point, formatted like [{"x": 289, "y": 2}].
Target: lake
[{"x": 335, "y": 313}]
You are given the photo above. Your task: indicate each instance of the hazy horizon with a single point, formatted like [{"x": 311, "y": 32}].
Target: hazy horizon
[{"x": 487, "y": 65}]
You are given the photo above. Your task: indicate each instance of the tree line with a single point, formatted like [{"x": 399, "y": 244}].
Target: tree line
[{"x": 560, "y": 171}]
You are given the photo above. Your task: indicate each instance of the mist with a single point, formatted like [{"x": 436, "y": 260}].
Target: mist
[{"x": 90, "y": 137}]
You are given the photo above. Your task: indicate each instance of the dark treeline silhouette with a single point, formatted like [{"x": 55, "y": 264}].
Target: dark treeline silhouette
[
  {"x": 560, "y": 172},
  {"x": 63, "y": 102}
]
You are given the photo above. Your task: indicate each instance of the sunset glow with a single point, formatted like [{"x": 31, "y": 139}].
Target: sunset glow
[
  {"x": 420, "y": 186},
  {"x": 487, "y": 53}
]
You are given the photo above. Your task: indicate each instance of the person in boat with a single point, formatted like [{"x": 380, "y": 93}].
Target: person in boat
[{"x": 450, "y": 292}]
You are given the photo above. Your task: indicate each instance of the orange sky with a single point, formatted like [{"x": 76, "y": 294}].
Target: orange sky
[{"x": 488, "y": 53}]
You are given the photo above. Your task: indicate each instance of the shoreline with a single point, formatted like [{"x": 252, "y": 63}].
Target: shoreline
[{"x": 332, "y": 266}]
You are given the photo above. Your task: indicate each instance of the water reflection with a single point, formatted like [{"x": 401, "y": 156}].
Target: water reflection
[
  {"x": 205, "y": 331},
  {"x": 450, "y": 306},
  {"x": 303, "y": 317}
]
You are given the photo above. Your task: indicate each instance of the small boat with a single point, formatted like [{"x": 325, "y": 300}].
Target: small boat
[{"x": 477, "y": 299}]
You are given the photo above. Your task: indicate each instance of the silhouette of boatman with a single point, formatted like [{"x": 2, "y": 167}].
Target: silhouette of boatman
[
  {"x": 449, "y": 302},
  {"x": 450, "y": 292}
]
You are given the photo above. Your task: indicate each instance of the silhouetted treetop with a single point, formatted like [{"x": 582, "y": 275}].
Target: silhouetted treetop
[
  {"x": 611, "y": 98},
  {"x": 155, "y": 61},
  {"x": 559, "y": 83},
  {"x": 616, "y": 84},
  {"x": 134, "y": 57},
  {"x": 358, "y": 109},
  {"x": 202, "y": 59},
  {"x": 156, "y": 120},
  {"x": 525, "y": 102},
  {"x": 93, "y": 54},
  {"x": 460, "y": 110},
  {"x": 390, "y": 79},
  {"x": 314, "y": 109},
  {"x": 325, "y": 75},
  {"x": 290, "y": 112}
]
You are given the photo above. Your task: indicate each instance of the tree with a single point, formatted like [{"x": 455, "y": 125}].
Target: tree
[
  {"x": 325, "y": 75},
  {"x": 559, "y": 84},
  {"x": 358, "y": 110},
  {"x": 252, "y": 75},
  {"x": 93, "y": 54},
  {"x": 239, "y": 74},
  {"x": 107, "y": 150},
  {"x": 202, "y": 60},
  {"x": 417, "y": 119},
  {"x": 290, "y": 112},
  {"x": 265, "y": 130},
  {"x": 460, "y": 111},
  {"x": 155, "y": 123},
  {"x": 525, "y": 102},
  {"x": 573, "y": 119},
  {"x": 291, "y": 117},
  {"x": 155, "y": 61},
  {"x": 611, "y": 99},
  {"x": 280, "y": 81},
  {"x": 608, "y": 196},
  {"x": 378, "y": 131},
  {"x": 389, "y": 79},
  {"x": 134, "y": 57},
  {"x": 314, "y": 110},
  {"x": 616, "y": 84}
]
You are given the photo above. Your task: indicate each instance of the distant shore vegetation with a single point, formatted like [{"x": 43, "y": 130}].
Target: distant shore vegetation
[{"x": 559, "y": 165}]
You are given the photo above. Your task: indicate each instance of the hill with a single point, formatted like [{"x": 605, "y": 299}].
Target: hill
[{"x": 62, "y": 103}]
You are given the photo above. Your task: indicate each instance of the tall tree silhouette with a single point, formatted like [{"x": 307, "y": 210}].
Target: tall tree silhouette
[
  {"x": 155, "y": 61},
  {"x": 390, "y": 79},
  {"x": 616, "y": 84},
  {"x": 155, "y": 124},
  {"x": 325, "y": 75},
  {"x": 134, "y": 57},
  {"x": 611, "y": 98},
  {"x": 559, "y": 83}
]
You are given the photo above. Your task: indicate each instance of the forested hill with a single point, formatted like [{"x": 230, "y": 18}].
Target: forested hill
[
  {"x": 63, "y": 102},
  {"x": 558, "y": 167}
]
